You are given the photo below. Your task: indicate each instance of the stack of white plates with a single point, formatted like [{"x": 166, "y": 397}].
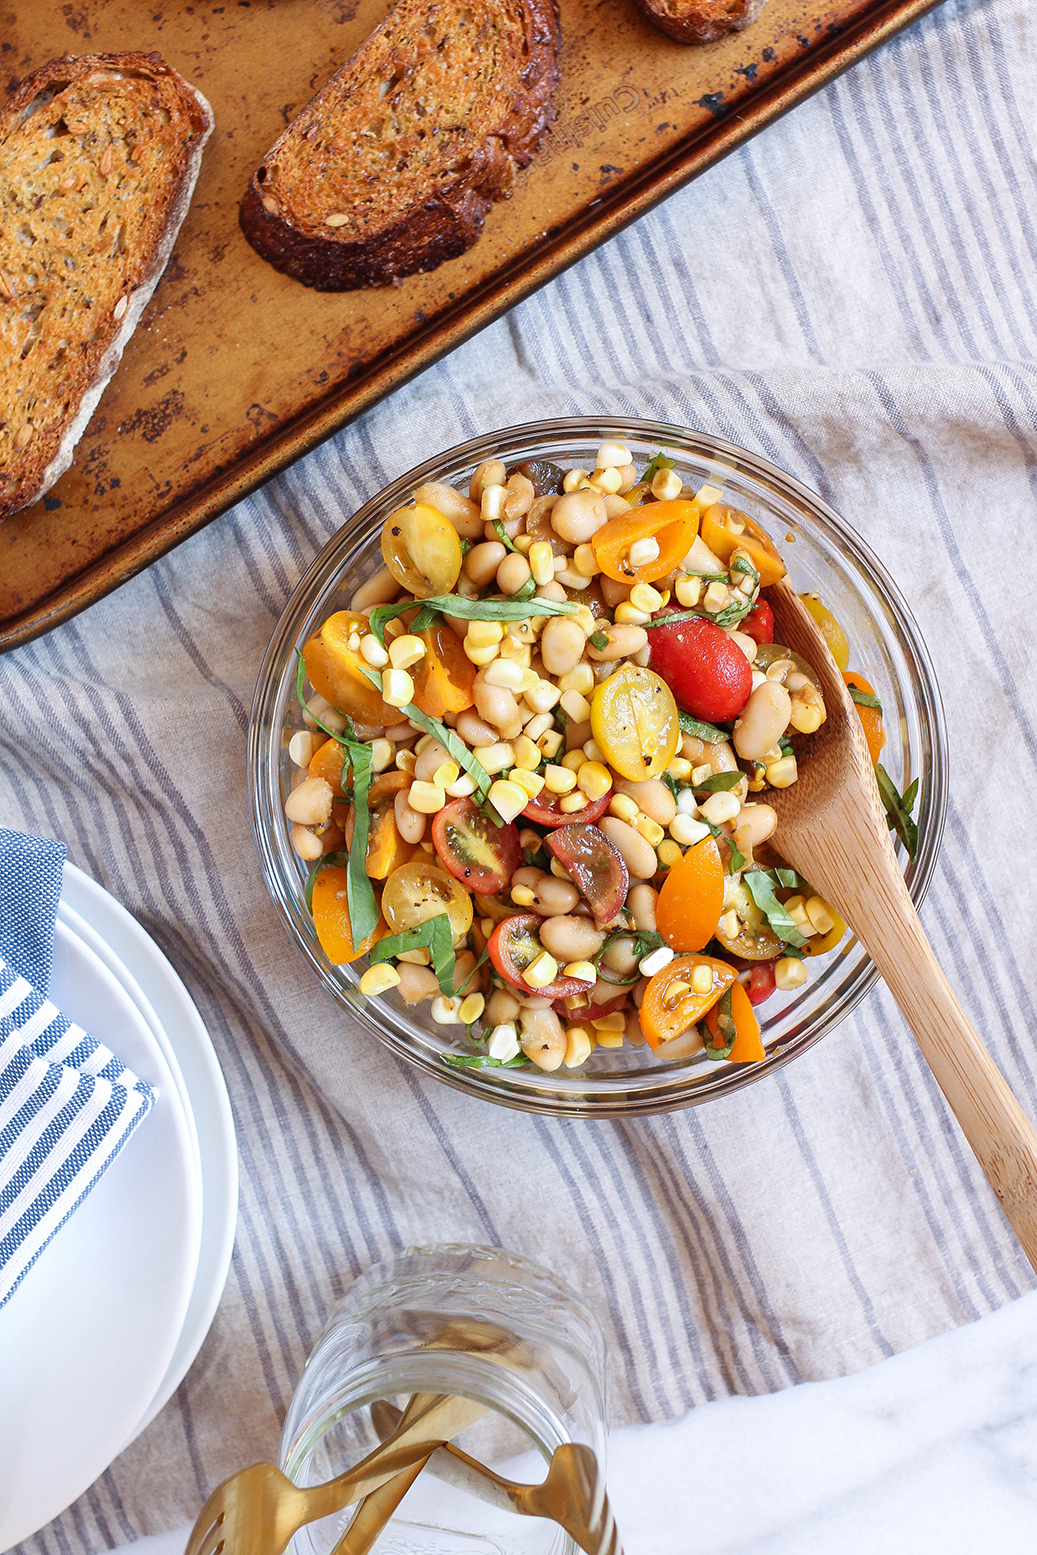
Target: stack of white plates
[{"x": 103, "y": 1328}]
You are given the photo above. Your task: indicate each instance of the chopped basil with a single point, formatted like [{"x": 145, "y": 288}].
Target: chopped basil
[
  {"x": 660, "y": 462},
  {"x": 675, "y": 615},
  {"x": 466, "y": 546},
  {"x": 644, "y": 941},
  {"x": 719, "y": 783},
  {"x": 503, "y": 535},
  {"x": 898, "y": 809},
  {"x": 761, "y": 888},
  {"x": 743, "y": 565},
  {"x": 700, "y": 730},
  {"x": 471, "y": 609},
  {"x": 484, "y": 1061},
  {"x": 864, "y": 698},
  {"x": 670, "y": 784},
  {"x": 527, "y": 590},
  {"x": 481, "y": 961},
  {"x": 435, "y": 936},
  {"x": 736, "y": 861},
  {"x": 725, "y": 1028},
  {"x": 788, "y": 877},
  {"x": 731, "y": 614},
  {"x": 599, "y": 641}
]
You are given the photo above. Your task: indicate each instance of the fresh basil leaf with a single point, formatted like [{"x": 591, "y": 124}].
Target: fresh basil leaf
[
  {"x": 736, "y": 861},
  {"x": 725, "y": 1028},
  {"x": 423, "y": 619},
  {"x": 503, "y": 535},
  {"x": 659, "y": 463},
  {"x": 364, "y": 911},
  {"x": 731, "y": 614},
  {"x": 788, "y": 877},
  {"x": 864, "y": 698},
  {"x": 670, "y": 784},
  {"x": 700, "y": 730},
  {"x": 484, "y": 1061},
  {"x": 481, "y": 962},
  {"x": 761, "y": 889},
  {"x": 719, "y": 783},
  {"x": 898, "y": 809},
  {"x": 326, "y": 862},
  {"x": 527, "y": 590},
  {"x": 435, "y": 936},
  {"x": 743, "y": 565},
  {"x": 674, "y": 615},
  {"x": 560, "y": 721},
  {"x": 472, "y": 609},
  {"x": 466, "y": 546},
  {"x": 599, "y": 641}
]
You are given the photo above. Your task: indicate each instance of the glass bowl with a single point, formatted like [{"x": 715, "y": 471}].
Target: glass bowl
[{"x": 823, "y": 553}]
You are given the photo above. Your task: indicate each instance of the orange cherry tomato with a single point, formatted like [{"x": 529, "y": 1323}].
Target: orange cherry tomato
[
  {"x": 670, "y": 1004},
  {"x": 444, "y": 679},
  {"x": 338, "y": 672},
  {"x": 692, "y": 898},
  {"x": 331, "y": 918},
  {"x": 386, "y": 849},
  {"x": 747, "y": 1047},
  {"x": 721, "y": 533},
  {"x": 870, "y": 717},
  {"x": 673, "y": 525},
  {"x": 329, "y": 763}
]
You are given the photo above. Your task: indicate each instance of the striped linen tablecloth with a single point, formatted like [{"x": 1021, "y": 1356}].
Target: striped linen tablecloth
[{"x": 852, "y": 295}]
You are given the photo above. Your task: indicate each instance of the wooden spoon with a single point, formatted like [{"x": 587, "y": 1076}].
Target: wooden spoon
[{"x": 832, "y": 829}]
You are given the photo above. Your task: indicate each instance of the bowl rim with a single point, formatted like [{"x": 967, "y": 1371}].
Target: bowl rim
[{"x": 617, "y": 1102}]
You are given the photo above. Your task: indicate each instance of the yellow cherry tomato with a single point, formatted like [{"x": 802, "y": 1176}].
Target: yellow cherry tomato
[
  {"x": 339, "y": 673},
  {"x": 422, "y": 550},
  {"x": 416, "y": 892},
  {"x": 672, "y": 525},
  {"x": 331, "y": 917},
  {"x": 634, "y": 721},
  {"x": 831, "y": 631},
  {"x": 726, "y": 530},
  {"x": 820, "y": 944},
  {"x": 870, "y": 717}
]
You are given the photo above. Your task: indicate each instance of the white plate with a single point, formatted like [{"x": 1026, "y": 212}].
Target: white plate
[
  {"x": 89, "y": 1334},
  {"x": 146, "y": 974}
]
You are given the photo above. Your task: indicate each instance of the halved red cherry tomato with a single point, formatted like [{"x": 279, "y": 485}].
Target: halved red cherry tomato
[
  {"x": 596, "y": 866},
  {"x": 759, "y": 623},
  {"x": 708, "y": 673},
  {"x": 546, "y": 811},
  {"x": 672, "y": 525},
  {"x": 593, "y": 1011},
  {"x": 483, "y": 856},
  {"x": 761, "y": 982},
  {"x": 514, "y": 945}
]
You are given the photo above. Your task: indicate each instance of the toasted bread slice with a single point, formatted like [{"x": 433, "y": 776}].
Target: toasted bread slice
[
  {"x": 98, "y": 160},
  {"x": 701, "y": 21},
  {"x": 393, "y": 165}
]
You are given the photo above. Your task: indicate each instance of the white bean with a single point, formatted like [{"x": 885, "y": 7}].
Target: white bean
[
  {"x": 637, "y": 854},
  {"x": 497, "y": 706},
  {"x": 475, "y": 730},
  {"x": 379, "y": 590},
  {"x": 651, "y": 796},
  {"x": 431, "y": 757},
  {"x": 512, "y": 573},
  {"x": 409, "y": 823},
  {"x": 310, "y": 803},
  {"x": 621, "y": 957},
  {"x": 543, "y": 1038},
  {"x": 306, "y": 843},
  {"x": 417, "y": 983},
  {"x": 561, "y": 645},
  {"x": 642, "y": 902},
  {"x": 571, "y": 939},
  {"x": 482, "y": 562},
  {"x": 764, "y": 721},
  {"x": 760, "y": 821},
  {"x": 490, "y": 473},
  {"x": 501, "y": 1007},
  {"x": 622, "y": 641},
  {"x": 578, "y": 515},
  {"x": 462, "y": 512}
]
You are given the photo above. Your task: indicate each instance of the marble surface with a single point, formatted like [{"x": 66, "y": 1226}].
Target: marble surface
[{"x": 933, "y": 1452}]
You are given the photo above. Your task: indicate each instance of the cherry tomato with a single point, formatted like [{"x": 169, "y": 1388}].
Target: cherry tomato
[
  {"x": 422, "y": 550},
  {"x": 416, "y": 892},
  {"x": 708, "y": 673},
  {"x": 831, "y": 631},
  {"x": 592, "y": 1011},
  {"x": 546, "y": 811},
  {"x": 514, "y": 945},
  {"x": 444, "y": 679},
  {"x": 634, "y": 720},
  {"x": 672, "y": 525},
  {"x": 761, "y": 982},
  {"x": 331, "y": 918},
  {"x": 480, "y": 854},
  {"x": 595, "y": 865},
  {"x": 759, "y": 623},
  {"x": 670, "y": 1004},
  {"x": 339, "y": 673},
  {"x": 692, "y": 898},
  {"x": 747, "y": 1047},
  {"x": 759, "y": 944},
  {"x": 726, "y": 530},
  {"x": 386, "y": 849},
  {"x": 870, "y": 717}
]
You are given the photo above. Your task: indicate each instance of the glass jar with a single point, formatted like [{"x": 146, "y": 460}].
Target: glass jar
[{"x": 474, "y": 1322}]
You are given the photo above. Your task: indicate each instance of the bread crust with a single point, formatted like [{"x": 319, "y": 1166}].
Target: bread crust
[
  {"x": 701, "y": 21},
  {"x": 444, "y": 219},
  {"x": 27, "y": 473}
]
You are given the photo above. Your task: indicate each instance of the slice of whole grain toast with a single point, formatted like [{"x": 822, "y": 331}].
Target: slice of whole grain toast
[
  {"x": 701, "y": 21},
  {"x": 394, "y": 164},
  {"x": 98, "y": 160}
]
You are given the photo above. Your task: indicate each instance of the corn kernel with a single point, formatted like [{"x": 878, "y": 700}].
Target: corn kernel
[
  {"x": 525, "y": 630},
  {"x": 655, "y": 961},
  {"x": 372, "y": 652},
  {"x": 527, "y": 754},
  {"x": 728, "y": 924},
  {"x": 715, "y": 597},
  {"x": 379, "y": 979},
  {"x": 503, "y": 1043},
  {"x": 522, "y": 542},
  {"x": 550, "y": 743},
  {"x": 668, "y": 853},
  {"x": 594, "y": 779},
  {"x": 585, "y": 620},
  {"x": 606, "y": 481},
  {"x": 609, "y": 1038},
  {"x": 523, "y": 895},
  {"x": 541, "y": 561},
  {"x": 530, "y": 782},
  {"x": 585, "y": 561},
  {"x": 472, "y": 1007},
  {"x": 702, "y": 980},
  {"x": 625, "y": 807},
  {"x": 699, "y": 775},
  {"x": 495, "y": 757},
  {"x": 542, "y": 697},
  {"x": 593, "y": 752},
  {"x": 650, "y": 830},
  {"x": 706, "y": 496},
  {"x": 644, "y": 597},
  {"x": 446, "y": 773},
  {"x": 559, "y": 780},
  {"x": 688, "y": 591},
  {"x": 382, "y": 753},
  {"x": 570, "y": 803},
  {"x": 353, "y": 642},
  {"x": 575, "y": 706},
  {"x": 397, "y": 688},
  {"x": 405, "y": 651},
  {"x": 579, "y": 1045},
  {"x": 720, "y": 807},
  {"x": 612, "y": 456},
  {"x": 515, "y": 651},
  {"x": 685, "y": 829},
  {"x": 572, "y": 479},
  {"x": 426, "y": 798},
  {"x": 415, "y": 957},
  {"x": 783, "y": 773},
  {"x": 541, "y": 972},
  {"x": 557, "y": 868},
  {"x": 820, "y": 914},
  {"x": 508, "y": 799},
  {"x": 574, "y": 760},
  {"x": 666, "y": 485},
  {"x": 481, "y": 656},
  {"x": 539, "y": 724},
  {"x": 492, "y": 504},
  {"x": 481, "y": 634},
  {"x": 445, "y": 1011},
  {"x": 461, "y": 787},
  {"x": 644, "y": 551},
  {"x": 583, "y": 970},
  {"x": 530, "y": 680},
  {"x": 504, "y": 673},
  {"x": 789, "y": 973},
  {"x": 680, "y": 770},
  {"x": 580, "y": 679},
  {"x": 530, "y": 840},
  {"x": 614, "y": 1021},
  {"x": 626, "y": 615}
]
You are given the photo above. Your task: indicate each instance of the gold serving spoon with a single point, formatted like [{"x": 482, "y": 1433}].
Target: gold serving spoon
[{"x": 832, "y": 830}]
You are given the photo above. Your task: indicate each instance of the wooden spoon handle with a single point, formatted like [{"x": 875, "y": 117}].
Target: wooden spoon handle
[{"x": 1002, "y": 1137}]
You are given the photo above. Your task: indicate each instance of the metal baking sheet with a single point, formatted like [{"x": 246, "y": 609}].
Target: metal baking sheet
[{"x": 236, "y": 370}]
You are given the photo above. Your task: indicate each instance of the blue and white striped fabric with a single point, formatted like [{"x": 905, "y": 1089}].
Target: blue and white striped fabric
[
  {"x": 853, "y": 295},
  {"x": 67, "y": 1104}
]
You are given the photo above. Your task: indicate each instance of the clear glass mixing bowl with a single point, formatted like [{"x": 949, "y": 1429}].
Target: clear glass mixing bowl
[{"x": 823, "y": 553}]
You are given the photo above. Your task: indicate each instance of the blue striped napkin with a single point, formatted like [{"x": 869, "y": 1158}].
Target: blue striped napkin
[{"x": 67, "y": 1104}]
